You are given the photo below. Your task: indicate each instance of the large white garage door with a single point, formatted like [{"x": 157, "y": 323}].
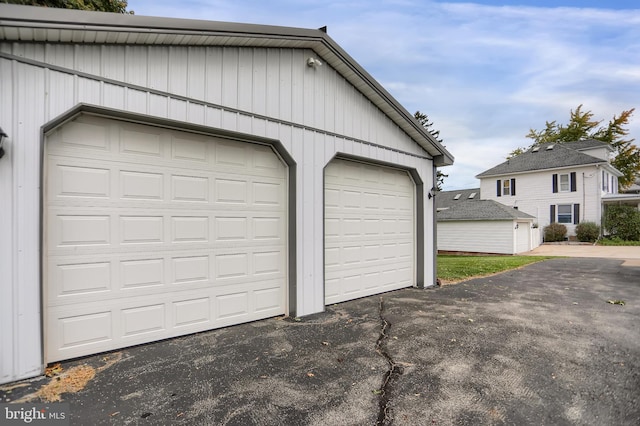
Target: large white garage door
[
  {"x": 369, "y": 230},
  {"x": 153, "y": 233}
]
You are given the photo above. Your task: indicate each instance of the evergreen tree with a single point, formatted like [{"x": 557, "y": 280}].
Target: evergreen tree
[{"x": 424, "y": 121}]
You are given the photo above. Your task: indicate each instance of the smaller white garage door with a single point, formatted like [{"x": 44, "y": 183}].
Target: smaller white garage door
[
  {"x": 153, "y": 233},
  {"x": 522, "y": 237},
  {"x": 369, "y": 230}
]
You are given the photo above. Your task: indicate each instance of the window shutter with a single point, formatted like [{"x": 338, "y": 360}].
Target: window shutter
[
  {"x": 573, "y": 182},
  {"x": 576, "y": 214},
  {"x": 554, "y": 182},
  {"x": 553, "y": 214},
  {"x": 513, "y": 186},
  {"x": 499, "y": 188}
]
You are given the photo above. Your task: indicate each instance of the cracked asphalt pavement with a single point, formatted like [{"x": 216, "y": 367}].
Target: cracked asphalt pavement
[{"x": 535, "y": 346}]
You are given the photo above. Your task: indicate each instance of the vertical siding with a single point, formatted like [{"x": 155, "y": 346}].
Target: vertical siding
[
  {"x": 243, "y": 78},
  {"x": 8, "y": 349},
  {"x": 272, "y": 82},
  {"x": 20, "y": 327}
]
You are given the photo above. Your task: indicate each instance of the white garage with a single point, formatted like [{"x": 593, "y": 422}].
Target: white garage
[
  {"x": 467, "y": 223},
  {"x": 165, "y": 176}
]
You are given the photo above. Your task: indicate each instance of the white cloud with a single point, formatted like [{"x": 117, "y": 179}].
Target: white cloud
[{"x": 484, "y": 75}]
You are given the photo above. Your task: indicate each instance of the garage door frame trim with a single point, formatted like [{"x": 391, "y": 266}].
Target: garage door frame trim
[
  {"x": 419, "y": 213},
  {"x": 126, "y": 116}
]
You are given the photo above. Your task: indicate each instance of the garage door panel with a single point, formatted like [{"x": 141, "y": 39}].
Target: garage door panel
[
  {"x": 190, "y": 188},
  {"x": 74, "y": 279},
  {"x": 167, "y": 234},
  {"x": 81, "y": 181},
  {"x": 103, "y": 325},
  {"x": 74, "y": 135},
  {"x": 369, "y": 230},
  {"x": 192, "y": 311},
  {"x": 184, "y": 148},
  {"x": 79, "y": 280},
  {"x": 129, "y": 228},
  {"x": 135, "y": 185},
  {"x": 144, "y": 141}
]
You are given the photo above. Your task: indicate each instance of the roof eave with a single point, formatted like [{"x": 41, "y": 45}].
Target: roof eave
[{"x": 602, "y": 163}]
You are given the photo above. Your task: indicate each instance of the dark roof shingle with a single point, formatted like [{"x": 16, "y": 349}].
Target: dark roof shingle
[
  {"x": 450, "y": 198},
  {"x": 480, "y": 210},
  {"x": 546, "y": 156}
]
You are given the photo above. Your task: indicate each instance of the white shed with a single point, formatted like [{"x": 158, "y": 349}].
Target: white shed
[
  {"x": 163, "y": 177},
  {"x": 467, "y": 223}
]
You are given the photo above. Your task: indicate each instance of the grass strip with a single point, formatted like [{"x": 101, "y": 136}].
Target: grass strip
[{"x": 452, "y": 268}]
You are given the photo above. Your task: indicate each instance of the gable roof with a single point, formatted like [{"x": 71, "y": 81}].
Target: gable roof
[
  {"x": 585, "y": 144},
  {"x": 44, "y": 24},
  {"x": 546, "y": 156},
  {"x": 480, "y": 210}
]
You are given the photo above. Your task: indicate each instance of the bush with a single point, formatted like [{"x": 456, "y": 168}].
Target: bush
[
  {"x": 587, "y": 231},
  {"x": 622, "y": 222},
  {"x": 554, "y": 232}
]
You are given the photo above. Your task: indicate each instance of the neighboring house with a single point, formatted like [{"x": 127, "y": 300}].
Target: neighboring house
[
  {"x": 166, "y": 176},
  {"x": 565, "y": 183},
  {"x": 634, "y": 188},
  {"x": 467, "y": 223}
]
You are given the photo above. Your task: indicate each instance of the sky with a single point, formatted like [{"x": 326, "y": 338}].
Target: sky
[{"x": 485, "y": 72}]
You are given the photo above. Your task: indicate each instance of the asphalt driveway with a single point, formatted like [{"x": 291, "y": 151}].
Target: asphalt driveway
[{"x": 534, "y": 346}]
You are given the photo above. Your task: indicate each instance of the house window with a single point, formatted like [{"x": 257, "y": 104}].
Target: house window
[
  {"x": 564, "y": 183},
  {"x": 564, "y": 213},
  {"x": 506, "y": 187}
]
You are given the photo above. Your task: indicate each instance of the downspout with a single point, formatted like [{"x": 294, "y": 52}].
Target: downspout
[
  {"x": 584, "y": 197},
  {"x": 434, "y": 226}
]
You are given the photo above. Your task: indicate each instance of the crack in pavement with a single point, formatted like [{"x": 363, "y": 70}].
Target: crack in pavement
[{"x": 390, "y": 375}]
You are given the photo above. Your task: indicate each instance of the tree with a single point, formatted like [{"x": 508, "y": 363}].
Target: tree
[
  {"x": 424, "y": 121},
  {"x": 582, "y": 126},
  {"x": 116, "y": 6}
]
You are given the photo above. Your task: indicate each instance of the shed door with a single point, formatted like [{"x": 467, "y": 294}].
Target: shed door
[
  {"x": 153, "y": 233},
  {"x": 522, "y": 237},
  {"x": 368, "y": 230}
]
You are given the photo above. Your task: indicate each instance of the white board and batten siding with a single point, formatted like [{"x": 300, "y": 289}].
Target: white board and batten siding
[{"x": 314, "y": 113}]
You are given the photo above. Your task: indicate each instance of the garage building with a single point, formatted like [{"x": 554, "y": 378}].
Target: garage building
[
  {"x": 163, "y": 177},
  {"x": 468, "y": 224}
]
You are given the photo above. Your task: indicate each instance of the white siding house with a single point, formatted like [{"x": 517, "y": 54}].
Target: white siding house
[
  {"x": 163, "y": 177},
  {"x": 563, "y": 183}
]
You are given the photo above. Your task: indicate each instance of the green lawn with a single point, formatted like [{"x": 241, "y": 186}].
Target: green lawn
[{"x": 452, "y": 268}]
